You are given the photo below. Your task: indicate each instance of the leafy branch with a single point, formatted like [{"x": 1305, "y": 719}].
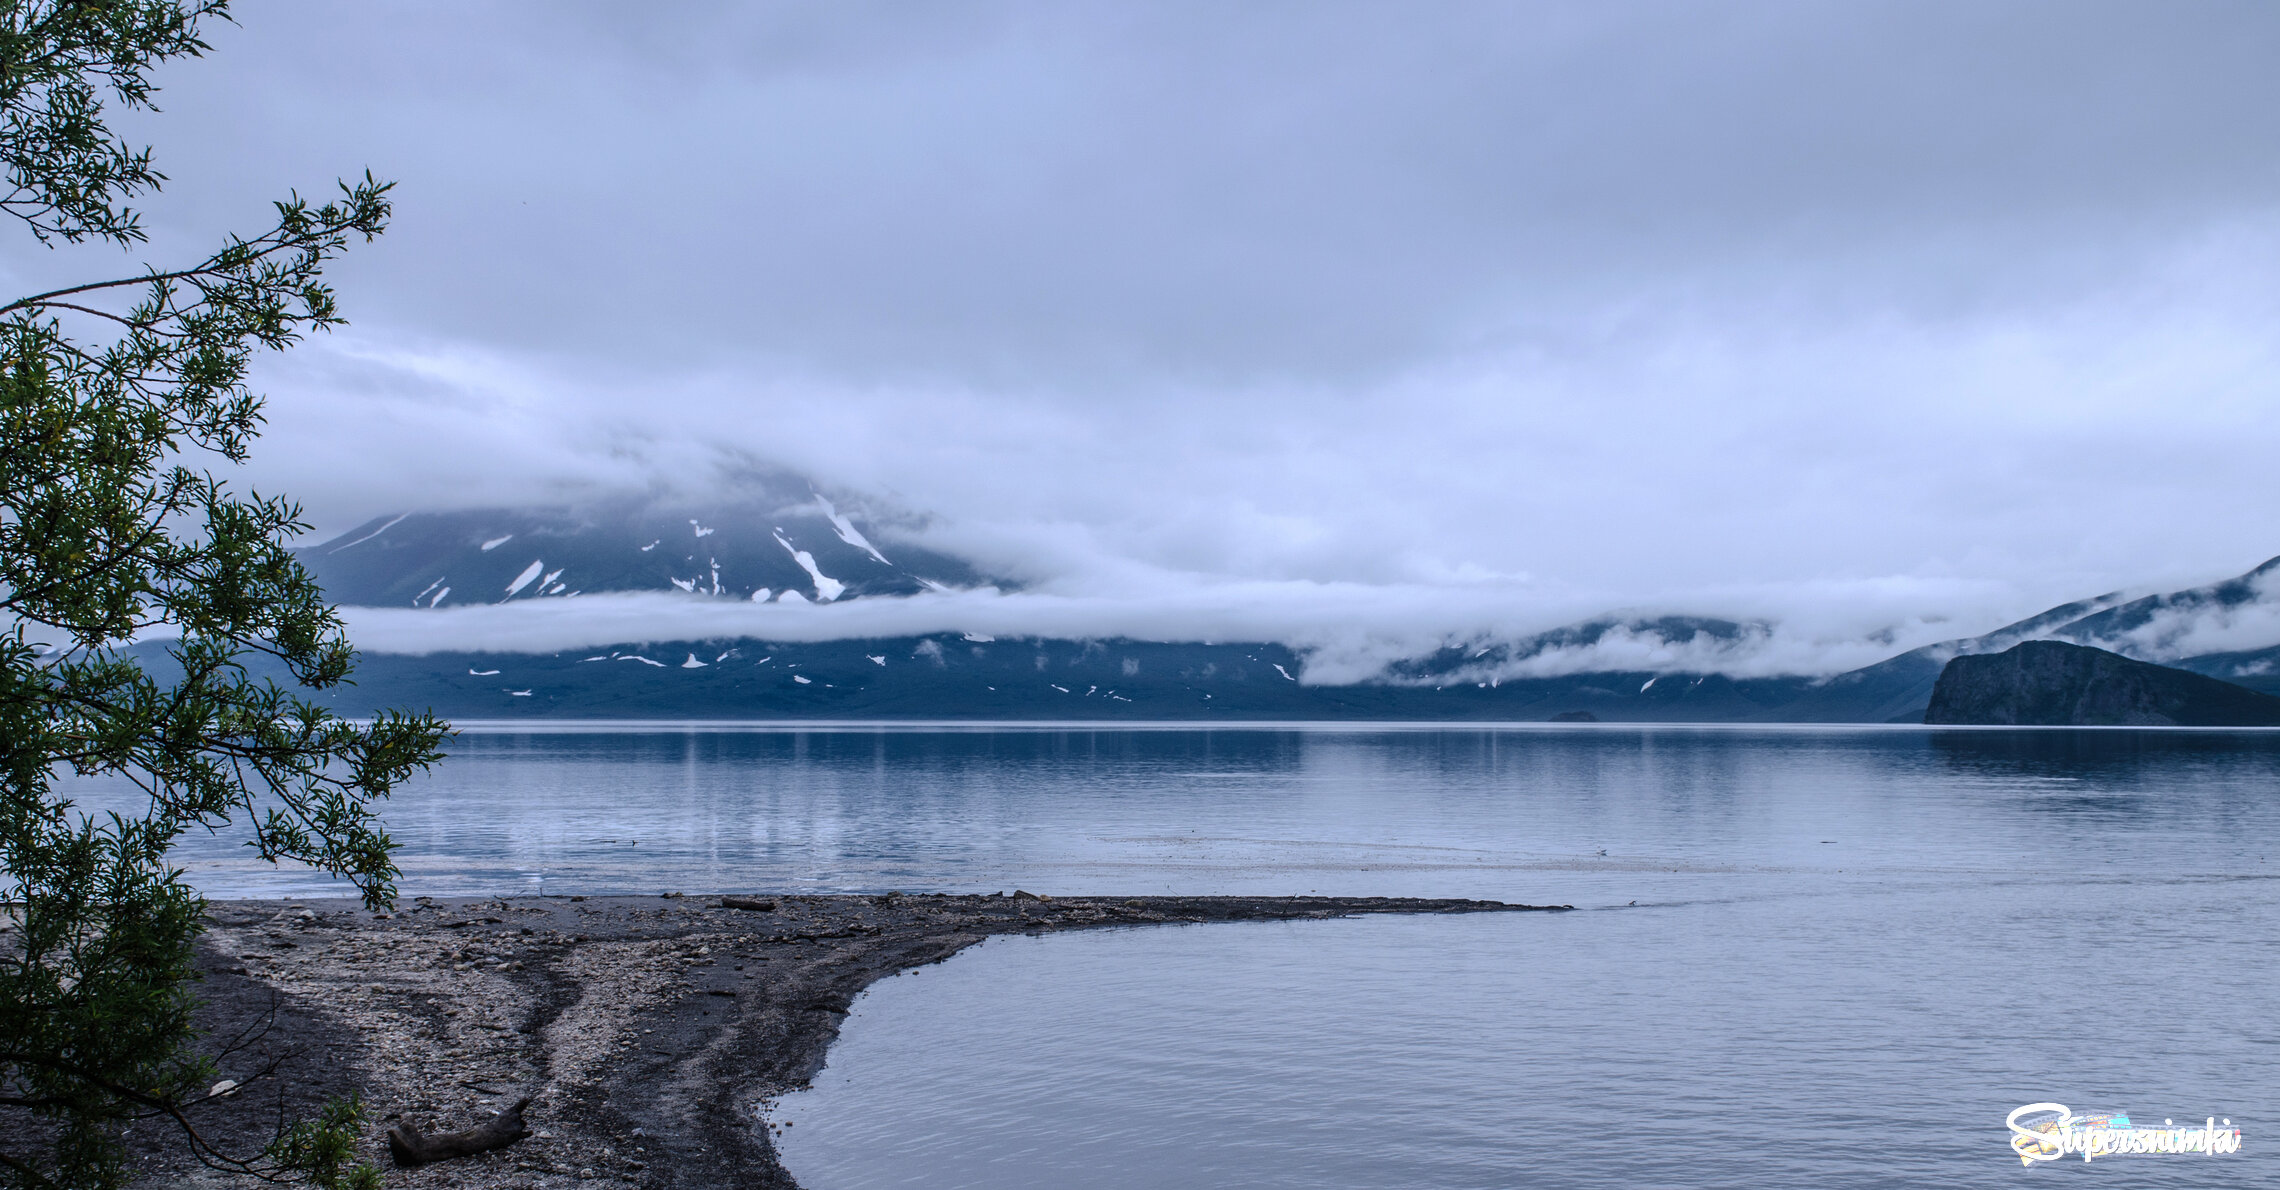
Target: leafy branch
[{"x": 146, "y": 611}]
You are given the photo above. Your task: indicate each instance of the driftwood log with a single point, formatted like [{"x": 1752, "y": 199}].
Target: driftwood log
[
  {"x": 755, "y": 904},
  {"x": 409, "y": 1147}
]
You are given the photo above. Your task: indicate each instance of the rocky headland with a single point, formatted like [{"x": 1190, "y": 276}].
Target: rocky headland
[{"x": 2048, "y": 683}]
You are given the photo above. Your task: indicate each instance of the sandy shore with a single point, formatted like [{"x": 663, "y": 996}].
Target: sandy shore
[{"x": 645, "y": 1030}]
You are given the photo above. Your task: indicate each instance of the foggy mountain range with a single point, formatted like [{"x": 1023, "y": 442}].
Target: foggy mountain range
[
  {"x": 786, "y": 605},
  {"x": 1478, "y": 343}
]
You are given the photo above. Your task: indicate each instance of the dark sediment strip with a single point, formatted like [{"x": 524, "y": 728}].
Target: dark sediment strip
[{"x": 646, "y": 1030}]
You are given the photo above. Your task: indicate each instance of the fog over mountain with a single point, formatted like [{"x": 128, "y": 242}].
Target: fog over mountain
[
  {"x": 794, "y": 611},
  {"x": 1361, "y": 328},
  {"x": 802, "y": 570}
]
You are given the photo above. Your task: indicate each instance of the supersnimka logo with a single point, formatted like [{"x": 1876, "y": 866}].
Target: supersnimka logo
[{"x": 2050, "y": 1131}]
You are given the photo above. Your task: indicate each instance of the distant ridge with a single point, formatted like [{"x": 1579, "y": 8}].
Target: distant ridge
[
  {"x": 781, "y": 539},
  {"x": 1899, "y": 689},
  {"x": 2048, "y": 683}
]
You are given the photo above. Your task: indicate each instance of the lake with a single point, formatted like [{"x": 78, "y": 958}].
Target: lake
[{"x": 1799, "y": 957}]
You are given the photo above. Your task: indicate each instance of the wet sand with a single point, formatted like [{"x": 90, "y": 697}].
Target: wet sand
[{"x": 647, "y": 1031}]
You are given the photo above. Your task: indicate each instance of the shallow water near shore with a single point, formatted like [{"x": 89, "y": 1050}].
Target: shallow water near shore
[
  {"x": 1852, "y": 950},
  {"x": 1682, "y": 1046}
]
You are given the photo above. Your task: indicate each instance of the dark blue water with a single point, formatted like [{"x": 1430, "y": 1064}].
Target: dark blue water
[{"x": 1851, "y": 951}]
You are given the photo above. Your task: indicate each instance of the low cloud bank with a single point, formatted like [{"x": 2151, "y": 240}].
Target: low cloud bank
[
  {"x": 1355, "y": 632},
  {"x": 1348, "y": 632},
  {"x": 1756, "y": 651},
  {"x": 2196, "y": 630}
]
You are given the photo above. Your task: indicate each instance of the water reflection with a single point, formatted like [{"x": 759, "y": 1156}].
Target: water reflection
[
  {"x": 1431, "y": 811},
  {"x": 2091, "y": 753}
]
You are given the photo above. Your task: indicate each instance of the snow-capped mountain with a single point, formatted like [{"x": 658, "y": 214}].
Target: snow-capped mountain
[
  {"x": 802, "y": 547},
  {"x": 805, "y": 550}
]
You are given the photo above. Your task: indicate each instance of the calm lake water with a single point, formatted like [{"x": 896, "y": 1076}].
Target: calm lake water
[{"x": 1801, "y": 957}]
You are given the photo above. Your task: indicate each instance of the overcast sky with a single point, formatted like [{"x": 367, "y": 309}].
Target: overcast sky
[{"x": 1935, "y": 310}]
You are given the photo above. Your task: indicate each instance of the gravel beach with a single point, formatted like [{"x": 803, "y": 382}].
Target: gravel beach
[{"x": 648, "y": 1032}]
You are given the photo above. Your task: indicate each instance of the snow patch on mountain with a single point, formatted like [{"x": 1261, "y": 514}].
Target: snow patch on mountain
[
  {"x": 369, "y": 536},
  {"x": 847, "y": 530},
  {"x": 522, "y": 580},
  {"x": 826, "y": 587}
]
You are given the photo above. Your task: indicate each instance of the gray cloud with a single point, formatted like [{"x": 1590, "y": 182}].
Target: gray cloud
[
  {"x": 1580, "y": 305},
  {"x": 1046, "y": 195}
]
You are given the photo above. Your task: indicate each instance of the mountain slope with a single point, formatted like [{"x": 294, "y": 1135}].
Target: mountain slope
[
  {"x": 804, "y": 550},
  {"x": 2257, "y": 669},
  {"x": 956, "y": 677}
]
